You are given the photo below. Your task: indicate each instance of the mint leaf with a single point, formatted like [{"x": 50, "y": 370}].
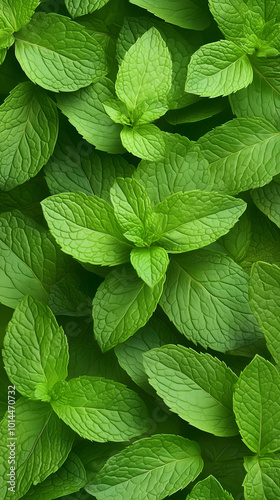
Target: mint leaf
[
  {"x": 150, "y": 264},
  {"x": 99, "y": 409},
  {"x": 81, "y": 7},
  {"x": 209, "y": 489},
  {"x": 59, "y": 54},
  {"x": 198, "y": 387},
  {"x": 206, "y": 297},
  {"x": 15, "y": 14},
  {"x": 144, "y": 141},
  {"x": 117, "y": 111},
  {"x": 243, "y": 154},
  {"x": 237, "y": 241},
  {"x": 189, "y": 14},
  {"x": 183, "y": 168},
  {"x": 86, "y": 228},
  {"x": 256, "y": 406},
  {"x": 195, "y": 219},
  {"x": 218, "y": 69},
  {"x": 146, "y": 71},
  {"x": 263, "y": 479},
  {"x": 26, "y": 198},
  {"x": 196, "y": 112},
  {"x": 268, "y": 9},
  {"x": 36, "y": 426},
  {"x": 28, "y": 133},
  {"x": 122, "y": 304},
  {"x": 172, "y": 462},
  {"x": 231, "y": 16},
  {"x": 267, "y": 200},
  {"x": 85, "y": 111},
  {"x": 35, "y": 348},
  {"x": 265, "y": 303}
]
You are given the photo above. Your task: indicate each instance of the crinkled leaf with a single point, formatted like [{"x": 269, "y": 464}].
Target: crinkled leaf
[
  {"x": 237, "y": 241},
  {"x": 78, "y": 8},
  {"x": 198, "y": 387},
  {"x": 117, "y": 111},
  {"x": 267, "y": 200},
  {"x": 206, "y": 297},
  {"x": 200, "y": 110},
  {"x": 28, "y": 133},
  {"x": 171, "y": 463},
  {"x": 231, "y": 17},
  {"x": 262, "y": 481},
  {"x": 209, "y": 489},
  {"x": 150, "y": 264},
  {"x": 99, "y": 409},
  {"x": 144, "y": 141},
  {"x": 15, "y": 14}
]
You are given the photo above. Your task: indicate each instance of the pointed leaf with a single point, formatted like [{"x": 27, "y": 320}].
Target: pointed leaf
[
  {"x": 262, "y": 481},
  {"x": 267, "y": 200},
  {"x": 16, "y": 14},
  {"x": 209, "y": 489},
  {"x": 150, "y": 264},
  {"x": 144, "y": 141},
  {"x": 81, "y": 7}
]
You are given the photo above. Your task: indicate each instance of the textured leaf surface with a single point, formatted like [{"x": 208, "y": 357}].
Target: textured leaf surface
[
  {"x": 198, "y": 387},
  {"x": 243, "y": 153},
  {"x": 82, "y": 7},
  {"x": 189, "y": 14},
  {"x": 218, "y": 69},
  {"x": 35, "y": 348},
  {"x": 265, "y": 303},
  {"x": 171, "y": 462},
  {"x": 28, "y": 133},
  {"x": 262, "y": 481},
  {"x": 150, "y": 264},
  {"x": 15, "y": 15},
  {"x": 144, "y": 141},
  {"x": 85, "y": 227},
  {"x": 59, "y": 54},
  {"x": 122, "y": 304},
  {"x": 36, "y": 427},
  {"x": 85, "y": 111},
  {"x": 209, "y": 489},
  {"x": 231, "y": 18},
  {"x": 195, "y": 219},
  {"x": 267, "y": 200},
  {"x": 99, "y": 409},
  {"x": 206, "y": 297},
  {"x": 256, "y": 406}
]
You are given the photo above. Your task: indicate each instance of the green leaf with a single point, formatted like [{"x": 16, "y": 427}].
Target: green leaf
[
  {"x": 28, "y": 133},
  {"x": 268, "y": 9},
  {"x": 59, "y": 54},
  {"x": 195, "y": 219},
  {"x": 198, "y": 111},
  {"x": 264, "y": 294},
  {"x": 256, "y": 406},
  {"x": 209, "y": 489},
  {"x": 30, "y": 261},
  {"x": 243, "y": 154},
  {"x": 122, "y": 304},
  {"x": 78, "y": 8},
  {"x": 86, "y": 228},
  {"x": 183, "y": 168},
  {"x": 36, "y": 427},
  {"x": 146, "y": 71},
  {"x": 218, "y": 69},
  {"x": 99, "y": 409},
  {"x": 70, "y": 478},
  {"x": 85, "y": 111},
  {"x": 150, "y": 264},
  {"x": 262, "y": 481},
  {"x": 117, "y": 111},
  {"x": 206, "y": 297},
  {"x": 231, "y": 16},
  {"x": 35, "y": 349},
  {"x": 267, "y": 200},
  {"x": 171, "y": 463},
  {"x": 26, "y": 198},
  {"x": 198, "y": 387},
  {"x": 189, "y": 14},
  {"x": 144, "y": 141},
  {"x": 237, "y": 241},
  {"x": 15, "y": 14},
  {"x": 262, "y": 97}
]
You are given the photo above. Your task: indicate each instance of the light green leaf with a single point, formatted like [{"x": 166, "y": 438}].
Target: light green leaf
[
  {"x": 117, "y": 111},
  {"x": 59, "y": 54},
  {"x": 30, "y": 261},
  {"x": 243, "y": 153},
  {"x": 3, "y": 53},
  {"x": 195, "y": 219},
  {"x": 262, "y": 97},
  {"x": 28, "y": 133},
  {"x": 183, "y": 168},
  {"x": 237, "y": 241},
  {"x": 267, "y": 200},
  {"x": 15, "y": 14},
  {"x": 171, "y": 463},
  {"x": 256, "y": 406},
  {"x": 231, "y": 16},
  {"x": 206, "y": 297},
  {"x": 264, "y": 292},
  {"x": 189, "y": 14},
  {"x": 69, "y": 478},
  {"x": 35, "y": 349},
  {"x": 36, "y": 427},
  {"x": 122, "y": 304},
  {"x": 85, "y": 111},
  {"x": 150, "y": 264},
  {"x": 145, "y": 73},
  {"x": 268, "y": 9},
  {"x": 99, "y": 409},
  {"x": 144, "y": 141},
  {"x": 86, "y": 228},
  {"x": 198, "y": 387},
  {"x": 218, "y": 69},
  {"x": 78, "y": 8},
  {"x": 262, "y": 481},
  {"x": 209, "y": 489}
]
